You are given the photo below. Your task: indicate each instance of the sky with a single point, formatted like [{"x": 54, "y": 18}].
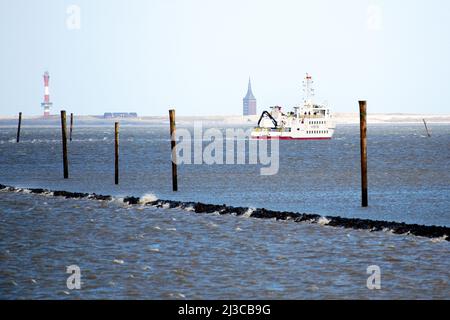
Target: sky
[{"x": 196, "y": 56}]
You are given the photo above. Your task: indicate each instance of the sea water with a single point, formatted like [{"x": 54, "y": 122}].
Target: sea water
[{"x": 170, "y": 253}]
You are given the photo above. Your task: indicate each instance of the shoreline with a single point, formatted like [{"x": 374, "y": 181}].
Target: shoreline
[{"x": 339, "y": 118}]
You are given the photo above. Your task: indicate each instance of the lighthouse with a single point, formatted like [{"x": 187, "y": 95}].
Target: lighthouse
[
  {"x": 46, "y": 104},
  {"x": 249, "y": 101}
]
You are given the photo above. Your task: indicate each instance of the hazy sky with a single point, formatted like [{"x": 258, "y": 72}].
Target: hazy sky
[{"x": 197, "y": 55}]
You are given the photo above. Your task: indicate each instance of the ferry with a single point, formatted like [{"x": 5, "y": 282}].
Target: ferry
[{"x": 309, "y": 121}]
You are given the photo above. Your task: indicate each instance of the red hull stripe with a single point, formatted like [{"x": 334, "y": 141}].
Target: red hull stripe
[{"x": 290, "y": 138}]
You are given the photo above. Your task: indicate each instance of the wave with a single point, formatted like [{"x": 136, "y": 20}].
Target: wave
[{"x": 433, "y": 232}]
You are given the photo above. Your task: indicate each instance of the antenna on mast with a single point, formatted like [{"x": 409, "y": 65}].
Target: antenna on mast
[{"x": 308, "y": 89}]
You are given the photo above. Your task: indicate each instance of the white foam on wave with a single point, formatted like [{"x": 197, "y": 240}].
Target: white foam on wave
[
  {"x": 166, "y": 206},
  {"x": 440, "y": 239},
  {"x": 248, "y": 213},
  {"x": 118, "y": 261},
  {"x": 148, "y": 197},
  {"x": 323, "y": 221},
  {"x": 118, "y": 201},
  {"x": 190, "y": 208}
]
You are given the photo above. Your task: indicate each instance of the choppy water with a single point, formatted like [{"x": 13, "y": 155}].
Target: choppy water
[{"x": 176, "y": 254}]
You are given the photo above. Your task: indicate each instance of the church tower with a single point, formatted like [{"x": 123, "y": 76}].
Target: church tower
[{"x": 249, "y": 102}]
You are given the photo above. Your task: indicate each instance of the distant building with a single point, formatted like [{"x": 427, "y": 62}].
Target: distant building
[
  {"x": 249, "y": 102},
  {"x": 112, "y": 115}
]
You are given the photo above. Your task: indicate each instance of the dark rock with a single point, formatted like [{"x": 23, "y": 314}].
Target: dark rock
[{"x": 131, "y": 200}]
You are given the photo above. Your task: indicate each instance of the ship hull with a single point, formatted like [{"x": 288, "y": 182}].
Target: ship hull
[
  {"x": 300, "y": 134},
  {"x": 289, "y": 138}
]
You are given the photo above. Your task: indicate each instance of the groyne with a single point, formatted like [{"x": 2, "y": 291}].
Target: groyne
[{"x": 261, "y": 213}]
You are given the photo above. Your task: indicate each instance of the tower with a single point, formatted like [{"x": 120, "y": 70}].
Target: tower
[
  {"x": 249, "y": 102},
  {"x": 46, "y": 104}
]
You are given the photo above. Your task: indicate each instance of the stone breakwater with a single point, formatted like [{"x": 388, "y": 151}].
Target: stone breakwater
[{"x": 197, "y": 207}]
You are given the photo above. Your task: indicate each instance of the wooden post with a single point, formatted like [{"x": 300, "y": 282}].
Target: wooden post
[
  {"x": 71, "y": 127},
  {"x": 64, "y": 143},
  {"x": 18, "y": 127},
  {"x": 363, "y": 138},
  {"x": 173, "y": 147},
  {"x": 116, "y": 147},
  {"x": 426, "y": 128}
]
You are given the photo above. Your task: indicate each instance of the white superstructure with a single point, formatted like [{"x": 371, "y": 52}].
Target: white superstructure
[{"x": 307, "y": 122}]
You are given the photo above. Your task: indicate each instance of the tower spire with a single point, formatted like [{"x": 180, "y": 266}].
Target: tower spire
[
  {"x": 249, "y": 95},
  {"x": 249, "y": 107}
]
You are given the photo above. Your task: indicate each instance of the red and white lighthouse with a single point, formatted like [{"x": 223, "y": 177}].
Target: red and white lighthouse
[{"x": 46, "y": 104}]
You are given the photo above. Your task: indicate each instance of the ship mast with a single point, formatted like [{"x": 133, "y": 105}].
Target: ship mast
[{"x": 308, "y": 89}]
